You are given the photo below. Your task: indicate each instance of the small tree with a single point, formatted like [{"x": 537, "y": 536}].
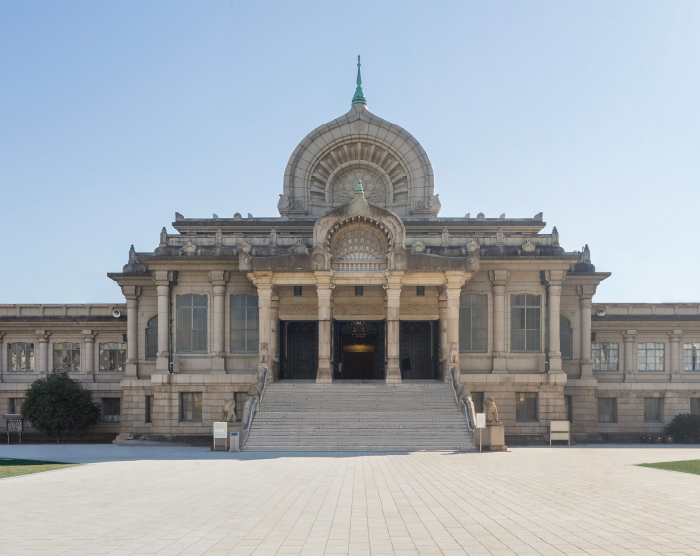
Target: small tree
[
  {"x": 684, "y": 428},
  {"x": 58, "y": 405}
]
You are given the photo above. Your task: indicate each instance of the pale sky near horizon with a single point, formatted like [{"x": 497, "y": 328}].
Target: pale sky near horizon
[{"x": 115, "y": 115}]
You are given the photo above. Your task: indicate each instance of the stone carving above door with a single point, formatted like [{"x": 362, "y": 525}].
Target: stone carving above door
[{"x": 343, "y": 188}]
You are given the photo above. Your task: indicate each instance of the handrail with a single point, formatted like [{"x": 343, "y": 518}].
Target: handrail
[
  {"x": 457, "y": 401},
  {"x": 250, "y": 421},
  {"x": 262, "y": 392}
]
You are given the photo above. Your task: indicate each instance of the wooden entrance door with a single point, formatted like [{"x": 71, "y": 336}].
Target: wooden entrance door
[
  {"x": 415, "y": 344},
  {"x": 302, "y": 350}
]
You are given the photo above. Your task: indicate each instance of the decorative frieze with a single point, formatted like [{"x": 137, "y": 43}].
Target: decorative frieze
[{"x": 359, "y": 308}]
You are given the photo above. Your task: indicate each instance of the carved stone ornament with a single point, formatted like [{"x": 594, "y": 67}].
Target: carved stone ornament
[
  {"x": 189, "y": 248},
  {"x": 299, "y": 309},
  {"x": 163, "y": 237},
  {"x": 284, "y": 203},
  {"x": 491, "y": 410},
  {"x": 434, "y": 201},
  {"x": 528, "y": 246},
  {"x": 418, "y": 247},
  {"x": 358, "y": 309},
  {"x": 245, "y": 247},
  {"x": 300, "y": 247},
  {"x": 218, "y": 237},
  {"x": 472, "y": 246},
  {"x": 500, "y": 237},
  {"x": 418, "y": 309},
  {"x": 343, "y": 188}
]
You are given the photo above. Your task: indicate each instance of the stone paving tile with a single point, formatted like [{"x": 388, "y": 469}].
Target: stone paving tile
[{"x": 586, "y": 501}]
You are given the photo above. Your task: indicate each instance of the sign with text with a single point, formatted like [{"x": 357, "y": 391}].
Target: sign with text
[
  {"x": 480, "y": 420},
  {"x": 220, "y": 430}
]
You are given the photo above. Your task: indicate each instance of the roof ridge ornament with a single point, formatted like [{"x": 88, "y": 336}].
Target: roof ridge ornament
[{"x": 359, "y": 97}]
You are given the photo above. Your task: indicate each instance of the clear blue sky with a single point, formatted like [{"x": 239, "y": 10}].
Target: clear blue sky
[{"x": 114, "y": 115}]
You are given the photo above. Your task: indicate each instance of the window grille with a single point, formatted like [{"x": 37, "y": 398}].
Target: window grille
[
  {"x": 112, "y": 356},
  {"x": 359, "y": 291},
  {"x": 191, "y": 406},
  {"x": 152, "y": 339},
  {"x": 111, "y": 410},
  {"x": 650, "y": 357},
  {"x": 245, "y": 324},
  {"x": 20, "y": 357},
  {"x": 566, "y": 336},
  {"x": 525, "y": 323},
  {"x": 691, "y": 357},
  {"x": 606, "y": 356},
  {"x": 191, "y": 323},
  {"x": 420, "y": 291},
  {"x": 607, "y": 410},
  {"x": 526, "y": 406},
  {"x": 66, "y": 356},
  {"x": 149, "y": 408},
  {"x": 297, "y": 291},
  {"x": 652, "y": 410},
  {"x": 473, "y": 331}
]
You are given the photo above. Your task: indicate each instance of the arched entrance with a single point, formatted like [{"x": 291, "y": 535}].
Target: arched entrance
[{"x": 359, "y": 350}]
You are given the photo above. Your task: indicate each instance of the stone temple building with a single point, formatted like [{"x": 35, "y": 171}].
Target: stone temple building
[{"x": 354, "y": 308}]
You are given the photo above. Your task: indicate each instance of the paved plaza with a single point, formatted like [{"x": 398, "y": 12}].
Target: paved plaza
[{"x": 171, "y": 501}]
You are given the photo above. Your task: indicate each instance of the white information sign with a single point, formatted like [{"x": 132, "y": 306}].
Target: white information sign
[
  {"x": 480, "y": 420},
  {"x": 220, "y": 430}
]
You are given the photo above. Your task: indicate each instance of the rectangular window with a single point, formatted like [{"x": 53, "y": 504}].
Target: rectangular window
[
  {"x": 66, "y": 356},
  {"x": 14, "y": 405},
  {"x": 526, "y": 406},
  {"x": 478, "y": 399},
  {"x": 20, "y": 357},
  {"x": 240, "y": 398},
  {"x": 191, "y": 323},
  {"x": 695, "y": 406},
  {"x": 245, "y": 324},
  {"x": 191, "y": 406},
  {"x": 568, "y": 409},
  {"x": 359, "y": 291},
  {"x": 420, "y": 291},
  {"x": 525, "y": 328},
  {"x": 149, "y": 408},
  {"x": 605, "y": 356},
  {"x": 566, "y": 338},
  {"x": 691, "y": 357},
  {"x": 607, "y": 410},
  {"x": 652, "y": 410},
  {"x": 297, "y": 291},
  {"x": 152, "y": 339},
  {"x": 112, "y": 356},
  {"x": 650, "y": 357},
  {"x": 111, "y": 410},
  {"x": 473, "y": 331}
]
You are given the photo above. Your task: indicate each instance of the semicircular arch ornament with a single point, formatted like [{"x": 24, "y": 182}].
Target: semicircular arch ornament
[
  {"x": 359, "y": 244},
  {"x": 343, "y": 187}
]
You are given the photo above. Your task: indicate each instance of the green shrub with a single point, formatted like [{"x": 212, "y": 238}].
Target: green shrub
[
  {"x": 58, "y": 405},
  {"x": 684, "y": 428}
]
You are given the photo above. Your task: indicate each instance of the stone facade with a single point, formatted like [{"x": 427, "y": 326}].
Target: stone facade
[{"x": 359, "y": 241}]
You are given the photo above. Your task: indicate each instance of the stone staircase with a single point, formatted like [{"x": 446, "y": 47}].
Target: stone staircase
[{"x": 358, "y": 416}]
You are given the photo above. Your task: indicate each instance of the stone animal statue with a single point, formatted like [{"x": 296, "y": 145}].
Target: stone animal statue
[
  {"x": 471, "y": 412},
  {"x": 491, "y": 411},
  {"x": 454, "y": 355},
  {"x": 246, "y": 410},
  {"x": 228, "y": 411}
]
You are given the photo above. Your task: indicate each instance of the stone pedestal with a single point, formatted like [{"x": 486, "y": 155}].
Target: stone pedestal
[{"x": 493, "y": 437}]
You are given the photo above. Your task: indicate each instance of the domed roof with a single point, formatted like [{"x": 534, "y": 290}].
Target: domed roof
[{"x": 395, "y": 170}]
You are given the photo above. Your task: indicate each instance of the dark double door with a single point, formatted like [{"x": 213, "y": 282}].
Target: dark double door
[
  {"x": 359, "y": 350},
  {"x": 419, "y": 347},
  {"x": 299, "y": 346}
]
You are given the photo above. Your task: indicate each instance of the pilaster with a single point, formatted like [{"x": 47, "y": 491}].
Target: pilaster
[
  {"x": 586, "y": 293},
  {"x": 162, "y": 280},
  {"x": 218, "y": 279},
  {"x": 629, "y": 337},
  {"x": 274, "y": 336},
  {"x": 499, "y": 279},
  {"x": 555, "y": 278},
  {"x": 676, "y": 355},
  {"x": 131, "y": 293},
  {"x": 453, "y": 290},
  {"x": 88, "y": 359},
  {"x": 394, "y": 280},
  {"x": 442, "y": 315},
  {"x": 42, "y": 362},
  {"x": 324, "y": 294}
]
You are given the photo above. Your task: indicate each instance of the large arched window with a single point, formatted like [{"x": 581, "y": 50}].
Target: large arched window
[
  {"x": 565, "y": 338},
  {"x": 245, "y": 324},
  {"x": 152, "y": 339}
]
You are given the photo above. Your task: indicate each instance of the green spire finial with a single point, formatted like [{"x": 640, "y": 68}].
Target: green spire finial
[
  {"x": 359, "y": 97},
  {"x": 358, "y": 187}
]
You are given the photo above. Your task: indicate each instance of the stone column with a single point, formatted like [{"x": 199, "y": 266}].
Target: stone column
[
  {"x": 43, "y": 364},
  {"x": 444, "y": 352},
  {"x": 453, "y": 290},
  {"x": 87, "y": 361},
  {"x": 132, "y": 328},
  {"x": 499, "y": 279},
  {"x": 163, "y": 321},
  {"x": 586, "y": 293},
  {"x": 324, "y": 294},
  {"x": 630, "y": 359},
  {"x": 274, "y": 336},
  {"x": 393, "y": 326},
  {"x": 676, "y": 355},
  {"x": 218, "y": 279},
  {"x": 555, "y": 278}
]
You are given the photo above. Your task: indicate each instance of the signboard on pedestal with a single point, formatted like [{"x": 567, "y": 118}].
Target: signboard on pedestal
[
  {"x": 220, "y": 431},
  {"x": 480, "y": 424}
]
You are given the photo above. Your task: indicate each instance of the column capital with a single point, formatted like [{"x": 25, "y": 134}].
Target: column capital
[
  {"x": 675, "y": 335},
  {"x": 261, "y": 279},
  {"x": 162, "y": 277},
  {"x": 43, "y": 335},
  {"x": 218, "y": 277},
  {"x": 323, "y": 279},
  {"x": 586, "y": 291},
  {"x": 89, "y": 335},
  {"x": 499, "y": 277},
  {"x": 629, "y": 335},
  {"x": 554, "y": 277},
  {"x": 131, "y": 292}
]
